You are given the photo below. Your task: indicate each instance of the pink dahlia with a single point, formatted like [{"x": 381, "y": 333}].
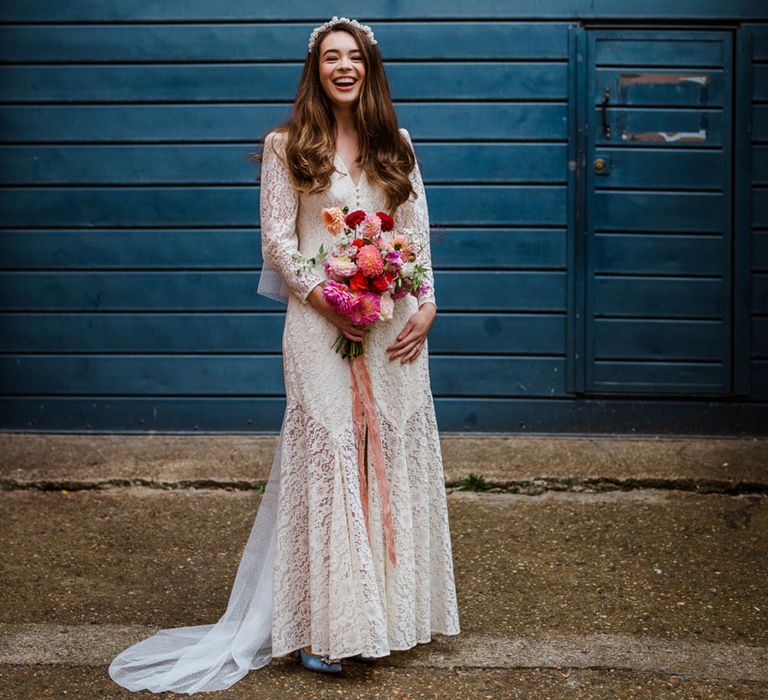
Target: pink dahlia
[
  {"x": 338, "y": 296},
  {"x": 366, "y": 309},
  {"x": 369, "y": 261}
]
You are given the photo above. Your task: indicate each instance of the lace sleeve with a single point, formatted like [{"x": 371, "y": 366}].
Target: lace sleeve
[
  {"x": 279, "y": 203},
  {"x": 415, "y": 215}
]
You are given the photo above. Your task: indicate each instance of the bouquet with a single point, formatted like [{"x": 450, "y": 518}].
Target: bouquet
[{"x": 367, "y": 272}]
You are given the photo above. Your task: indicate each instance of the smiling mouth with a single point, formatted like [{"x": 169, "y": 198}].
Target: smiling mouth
[{"x": 345, "y": 82}]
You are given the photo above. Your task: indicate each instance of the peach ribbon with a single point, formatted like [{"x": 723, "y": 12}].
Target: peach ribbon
[{"x": 364, "y": 413}]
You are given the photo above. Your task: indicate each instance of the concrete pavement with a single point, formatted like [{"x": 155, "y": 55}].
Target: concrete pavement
[{"x": 590, "y": 567}]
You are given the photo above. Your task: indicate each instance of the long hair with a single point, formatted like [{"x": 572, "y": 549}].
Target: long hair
[{"x": 385, "y": 154}]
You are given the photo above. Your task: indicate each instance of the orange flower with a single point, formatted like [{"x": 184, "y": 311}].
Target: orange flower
[{"x": 333, "y": 219}]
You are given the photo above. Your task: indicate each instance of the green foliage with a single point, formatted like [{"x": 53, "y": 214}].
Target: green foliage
[{"x": 473, "y": 482}]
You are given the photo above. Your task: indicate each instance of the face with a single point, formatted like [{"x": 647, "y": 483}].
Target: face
[{"x": 342, "y": 68}]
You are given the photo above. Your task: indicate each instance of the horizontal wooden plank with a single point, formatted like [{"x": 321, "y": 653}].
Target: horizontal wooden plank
[
  {"x": 661, "y": 87},
  {"x": 185, "y": 249},
  {"x": 236, "y": 291},
  {"x": 236, "y": 82},
  {"x": 759, "y": 293},
  {"x": 376, "y": 10},
  {"x": 239, "y": 10},
  {"x": 759, "y": 337},
  {"x": 275, "y": 42},
  {"x": 760, "y": 206},
  {"x": 759, "y": 35},
  {"x": 759, "y": 80},
  {"x": 660, "y": 211},
  {"x": 641, "y": 296},
  {"x": 659, "y": 254},
  {"x": 760, "y": 165},
  {"x": 628, "y": 339},
  {"x": 209, "y": 164},
  {"x": 207, "y": 375},
  {"x": 759, "y": 380},
  {"x": 497, "y": 247},
  {"x": 638, "y": 48},
  {"x": 653, "y": 377},
  {"x": 256, "y": 333},
  {"x": 42, "y": 207},
  {"x": 142, "y": 333},
  {"x": 667, "y": 128},
  {"x": 661, "y": 168},
  {"x": 520, "y": 415},
  {"x": 759, "y": 123},
  {"x": 248, "y": 123},
  {"x": 759, "y": 251},
  {"x": 180, "y": 249}
]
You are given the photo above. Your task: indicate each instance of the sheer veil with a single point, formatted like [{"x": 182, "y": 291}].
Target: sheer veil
[
  {"x": 213, "y": 657},
  {"x": 272, "y": 284}
]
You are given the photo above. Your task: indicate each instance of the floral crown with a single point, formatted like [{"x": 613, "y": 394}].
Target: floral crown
[{"x": 338, "y": 20}]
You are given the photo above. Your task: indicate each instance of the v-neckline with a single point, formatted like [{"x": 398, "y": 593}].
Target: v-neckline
[{"x": 346, "y": 170}]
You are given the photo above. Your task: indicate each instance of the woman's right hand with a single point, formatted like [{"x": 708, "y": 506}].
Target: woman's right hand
[{"x": 344, "y": 323}]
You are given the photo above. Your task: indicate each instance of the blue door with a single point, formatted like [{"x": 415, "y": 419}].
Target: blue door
[{"x": 654, "y": 213}]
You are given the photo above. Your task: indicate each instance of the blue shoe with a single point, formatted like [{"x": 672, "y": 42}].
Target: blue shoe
[{"x": 314, "y": 662}]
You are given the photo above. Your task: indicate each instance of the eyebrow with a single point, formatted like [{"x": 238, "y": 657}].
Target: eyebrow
[{"x": 337, "y": 51}]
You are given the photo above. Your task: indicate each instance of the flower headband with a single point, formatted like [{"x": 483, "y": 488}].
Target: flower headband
[{"x": 338, "y": 20}]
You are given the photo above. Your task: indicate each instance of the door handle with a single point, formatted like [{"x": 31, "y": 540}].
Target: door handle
[{"x": 604, "y": 112}]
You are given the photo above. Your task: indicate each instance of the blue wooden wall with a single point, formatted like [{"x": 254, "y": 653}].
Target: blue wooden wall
[{"x": 130, "y": 246}]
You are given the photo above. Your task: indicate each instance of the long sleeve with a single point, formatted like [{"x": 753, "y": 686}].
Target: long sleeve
[
  {"x": 279, "y": 204},
  {"x": 415, "y": 215}
]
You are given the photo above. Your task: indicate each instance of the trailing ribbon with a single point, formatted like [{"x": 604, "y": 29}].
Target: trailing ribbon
[{"x": 364, "y": 414}]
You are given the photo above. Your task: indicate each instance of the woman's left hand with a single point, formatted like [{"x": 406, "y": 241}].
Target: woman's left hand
[{"x": 410, "y": 340}]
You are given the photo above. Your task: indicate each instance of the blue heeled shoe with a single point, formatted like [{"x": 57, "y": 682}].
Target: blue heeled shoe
[{"x": 314, "y": 662}]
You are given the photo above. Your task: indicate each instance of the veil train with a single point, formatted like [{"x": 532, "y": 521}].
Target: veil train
[{"x": 213, "y": 657}]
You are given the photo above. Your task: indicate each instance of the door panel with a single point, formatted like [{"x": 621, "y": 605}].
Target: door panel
[{"x": 656, "y": 192}]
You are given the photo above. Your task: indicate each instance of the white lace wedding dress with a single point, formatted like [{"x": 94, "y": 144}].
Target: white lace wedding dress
[{"x": 308, "y": 575}]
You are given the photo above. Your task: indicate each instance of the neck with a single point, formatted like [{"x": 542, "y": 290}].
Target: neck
[{"x": 345, "y": 122}]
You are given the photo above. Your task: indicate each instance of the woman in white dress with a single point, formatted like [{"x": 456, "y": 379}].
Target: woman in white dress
[{"x": 315, "y": 578}]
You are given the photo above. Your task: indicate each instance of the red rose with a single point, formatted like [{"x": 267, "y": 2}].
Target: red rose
[
  {"x": 358, "y": 242},
  {"x": 390, "y": 275},
  {"x": 387, "y": 224},
  {"x": 354, "y": 218},
  {"x": 380, "y": 283},
  {"x": 358, "y": 282}
]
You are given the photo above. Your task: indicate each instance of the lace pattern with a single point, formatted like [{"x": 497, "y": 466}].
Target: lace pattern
[{"x": 333, "y": 590}]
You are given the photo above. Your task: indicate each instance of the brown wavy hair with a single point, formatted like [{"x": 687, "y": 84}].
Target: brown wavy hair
[{"x": 385, "y": 155}]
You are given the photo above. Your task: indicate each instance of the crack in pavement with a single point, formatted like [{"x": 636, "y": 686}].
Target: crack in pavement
[{"x": 532, "y": 486}]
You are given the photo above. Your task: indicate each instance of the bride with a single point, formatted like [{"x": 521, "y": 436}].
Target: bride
[{"x": 344, "y": 560}]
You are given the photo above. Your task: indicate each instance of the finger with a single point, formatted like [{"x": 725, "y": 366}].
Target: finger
[
  {"x": 406, "y": 330},
  {"x": 352, "y": 334},
  {"x": 407, "y": 347},
  {"x": 405, "y": 336},
  {"x": 416, "y": 352},
  {"x": 412, "y": 354}
]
